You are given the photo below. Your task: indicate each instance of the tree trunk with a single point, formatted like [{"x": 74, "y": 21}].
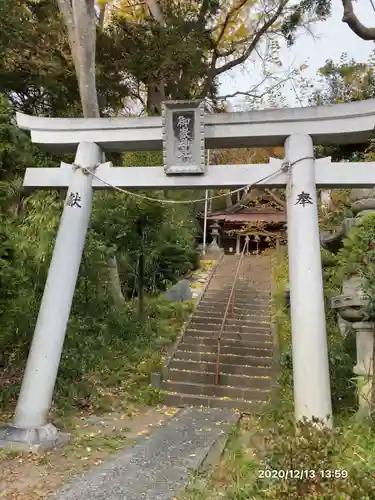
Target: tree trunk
[
  {"x": 141, "y": 273},
  {"x": 80, "y": 19},
  {"x": 115, "y": 283},
  {"x": 155, "y": 89},
  {"x": 155, "y": 96}
]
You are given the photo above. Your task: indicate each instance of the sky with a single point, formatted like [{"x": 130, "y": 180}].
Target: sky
[{"x": 331, "y": 39}]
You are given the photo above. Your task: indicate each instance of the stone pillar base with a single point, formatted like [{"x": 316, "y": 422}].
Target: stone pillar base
[
  {"x": 34, "y": 440},
  {"x": 364, "y": 368}
]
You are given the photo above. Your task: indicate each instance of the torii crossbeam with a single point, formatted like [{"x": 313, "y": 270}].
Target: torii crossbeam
[{"x": 297, "y": 129}]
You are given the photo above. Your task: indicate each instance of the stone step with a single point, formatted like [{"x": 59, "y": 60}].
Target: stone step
[
  {"x": 223, "y": 301},
  {"x": 228, "y": 347},
  {"x": 249, "y": 321},
  {"x": 247, "y": 303},
  {"x": 181, "y": 400},
  {"x": 219, "y": 308},
  {"x": 244, "y": 286},
  {"x": 245, "y": 271},
  {"x": 243, "y": 307},
  {"x": 258, "y": 336},
  {"x": 252, "y": 316},
  {"x": 218, "y": 391},
  {"x": 257, "y": 282},
  {"x": 230, "y": 321},
  {"x": 246, "y": 289},
  {"x": 231, "y": 359},
  {"x": 246, "y": 347},
  {"x": 249, "y": 369},
  {"x": 242, "y": 313},
  {"x": 249, "y": 328},
  {"x": 217, "y": 319},
  {"x": 249, "y": 296},
  {"x": 239, "y": 296},
  {"x": 262, "y": 378},
  {"x": 245, "y": 329}
]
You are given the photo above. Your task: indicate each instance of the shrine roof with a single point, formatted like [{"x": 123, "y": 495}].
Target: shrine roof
[{"x": 249, "y": 215}]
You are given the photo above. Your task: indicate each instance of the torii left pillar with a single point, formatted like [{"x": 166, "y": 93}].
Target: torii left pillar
[{"x": 30, "y": 427}]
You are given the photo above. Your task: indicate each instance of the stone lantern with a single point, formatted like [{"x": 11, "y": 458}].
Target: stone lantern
[
  {"x": 351, "y": 305},
  {"x": 257, "y": 241},
  {"x": 215, "y": 228},
  {"x": 247, "y": 243}
]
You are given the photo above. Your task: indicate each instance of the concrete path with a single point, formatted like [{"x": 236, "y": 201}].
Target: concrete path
[{"x": 159, "y": 467}]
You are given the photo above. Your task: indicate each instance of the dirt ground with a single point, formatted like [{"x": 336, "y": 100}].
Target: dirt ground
[{"x": 27, "y": 476}]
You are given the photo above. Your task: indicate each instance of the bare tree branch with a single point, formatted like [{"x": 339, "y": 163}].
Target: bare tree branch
[
  {"x": 252, "y": 94},
  {"x": 257, "y": 36},
  {"x": 354, "y": 23}
]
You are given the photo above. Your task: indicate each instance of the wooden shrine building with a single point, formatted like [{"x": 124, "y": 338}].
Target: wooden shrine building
[{"x": 262, "y": 219}]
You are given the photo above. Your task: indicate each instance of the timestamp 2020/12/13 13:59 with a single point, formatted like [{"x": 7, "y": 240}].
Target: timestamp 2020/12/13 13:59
[{"x": 303, "y": 474}]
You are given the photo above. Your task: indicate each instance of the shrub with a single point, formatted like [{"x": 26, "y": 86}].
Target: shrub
[{"x": 309, "y": 446}]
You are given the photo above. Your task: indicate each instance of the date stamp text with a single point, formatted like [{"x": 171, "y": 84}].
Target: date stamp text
[{"x": 303, "y": 474}]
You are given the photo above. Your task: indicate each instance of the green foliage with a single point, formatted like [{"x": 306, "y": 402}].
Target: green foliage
[
  {"x": 116, "y": 354},
  {"x": 36, "y": 68},
  {"x": 166, "y": 240},
  {"x": 321, "y": 9},
  {"x": 346, "y": 81},
  {"x": 339, "y": 210},
  {"x": 177, "y": 53},
  {"x": 357, "y": 257},
  {"x": 199, "y": 42}
]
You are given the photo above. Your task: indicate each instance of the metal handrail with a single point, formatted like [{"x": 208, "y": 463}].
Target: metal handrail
[{"x": 231, "y": 296}]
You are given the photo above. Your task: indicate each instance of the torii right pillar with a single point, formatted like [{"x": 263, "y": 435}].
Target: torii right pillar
[{"x": 312, "y": 393}]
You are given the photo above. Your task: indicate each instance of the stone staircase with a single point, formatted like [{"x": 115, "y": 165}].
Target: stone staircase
[{"x": 246, "y": 359}]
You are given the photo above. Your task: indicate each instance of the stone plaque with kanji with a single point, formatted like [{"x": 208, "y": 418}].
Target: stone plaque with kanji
[{"x": 183, "y": 137}]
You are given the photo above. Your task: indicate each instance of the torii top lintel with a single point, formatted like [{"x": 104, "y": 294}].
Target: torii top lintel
[{"x": 347, "y": 123}]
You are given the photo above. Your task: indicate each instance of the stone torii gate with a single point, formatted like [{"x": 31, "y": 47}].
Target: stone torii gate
[{"x": 187, "y": 135}]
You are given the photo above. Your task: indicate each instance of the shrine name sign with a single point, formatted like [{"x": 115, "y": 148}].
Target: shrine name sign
[{"x": 183, "y": 137}]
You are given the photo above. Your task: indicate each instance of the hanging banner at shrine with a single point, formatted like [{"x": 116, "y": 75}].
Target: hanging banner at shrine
[{"x": 183, "y": 137}]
